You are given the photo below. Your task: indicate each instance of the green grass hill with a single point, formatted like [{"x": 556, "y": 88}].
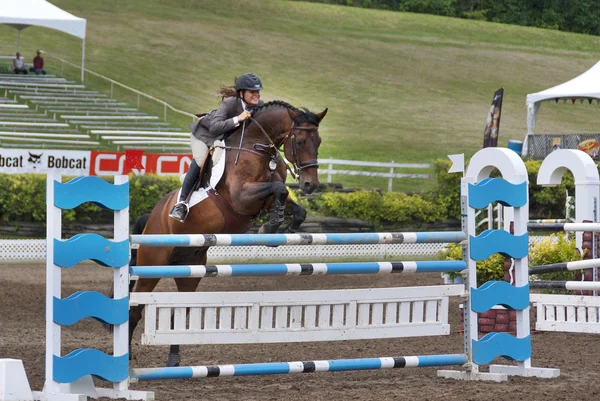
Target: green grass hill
[{"x": 399, "y": 86}]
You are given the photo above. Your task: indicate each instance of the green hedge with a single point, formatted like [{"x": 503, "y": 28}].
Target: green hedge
[{"x": 23, "y": 198}]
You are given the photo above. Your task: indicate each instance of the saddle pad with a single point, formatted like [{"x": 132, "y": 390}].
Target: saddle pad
[{"x": 218, "y": 168}]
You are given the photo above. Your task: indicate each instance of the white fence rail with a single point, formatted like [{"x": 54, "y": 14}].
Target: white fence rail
[{"x": 330, "y": 171}]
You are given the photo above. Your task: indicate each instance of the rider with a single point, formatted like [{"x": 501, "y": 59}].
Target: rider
[{"x": 236, "y": 107}]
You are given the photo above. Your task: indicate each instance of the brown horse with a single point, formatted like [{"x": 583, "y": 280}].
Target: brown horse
[{"x": 253, "y": 181}]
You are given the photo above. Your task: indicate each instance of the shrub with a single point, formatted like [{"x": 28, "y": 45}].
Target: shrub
[{"x": 555, "y": 248}]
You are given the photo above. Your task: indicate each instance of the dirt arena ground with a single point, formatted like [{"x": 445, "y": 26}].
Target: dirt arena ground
[{"x": 22, "y": 290}]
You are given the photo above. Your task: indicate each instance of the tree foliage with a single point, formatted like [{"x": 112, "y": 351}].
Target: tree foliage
[{"x": 581, "y": 16}]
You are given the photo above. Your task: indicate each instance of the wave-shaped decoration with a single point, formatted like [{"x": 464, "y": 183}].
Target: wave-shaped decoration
[
  {"x": 91, "y": 246},
  {"x": 502, "y": 293},
  {"x": 91, "y": 189},
  {"x": 493, "y": 345},
  {"x": 82, "y": 304},
  {"x": 89, "y": 361},
  {"x": 497, "y": 190},
  {"x": 490, "y": 242}
]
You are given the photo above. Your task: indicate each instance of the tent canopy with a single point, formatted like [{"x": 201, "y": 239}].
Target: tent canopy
[
  {"x": 22, "y": 13},
  {"x": 584, "y": 86}
]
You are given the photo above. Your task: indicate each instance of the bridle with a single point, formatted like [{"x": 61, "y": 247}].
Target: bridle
[{"x": 298, "y": 167}]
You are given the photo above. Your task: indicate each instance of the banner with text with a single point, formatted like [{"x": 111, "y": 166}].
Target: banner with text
[
  {"x": 77, "y": 163},
  {"x": 68, "y": 162}
]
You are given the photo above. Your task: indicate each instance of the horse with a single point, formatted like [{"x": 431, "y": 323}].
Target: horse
[{"x": 253, "y": 181}]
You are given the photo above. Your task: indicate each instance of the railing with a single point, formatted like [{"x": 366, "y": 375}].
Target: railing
[
  {"x": 390, "y": 175},
  {"x": 113, "y": 83}
]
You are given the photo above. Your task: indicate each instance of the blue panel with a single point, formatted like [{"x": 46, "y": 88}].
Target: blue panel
[
  {"x": 442, "y": 236},
  {"x": 440, "y": 266},
  {"x": 497, "y": 190},
  {"x": 498, "y": 241},
  {"x": 84, "y": 304},
  {"x": 353, "y": 268},
  {"x": 354, "y": 364},
  {"x": 91, "y": 189},
  {"x": 274, "y": 368},
  {"x": 91, "y": 246},
  {"x": 360, "y": 238},
  {"x": 259, "y": 270},
  {"x": 182, "y": 372},
  {"x": 493, "y": 345},
  {"x": 88, "y": 361},
  {"x": 258, "y": 239},
  {"x": 160, "y": 271},
  {"x": 502, "y": 293},
  {"x": 442, "y": 360}
]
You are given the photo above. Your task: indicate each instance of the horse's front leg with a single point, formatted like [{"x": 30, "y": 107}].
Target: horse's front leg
[
  {"x": 261, "y": 191},
  {"x": 298, "y": 215}
]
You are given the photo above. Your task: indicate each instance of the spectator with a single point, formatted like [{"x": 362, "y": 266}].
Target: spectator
[
  {"x": 19, "y": 65},
  {"x": 38, "y": 64}
]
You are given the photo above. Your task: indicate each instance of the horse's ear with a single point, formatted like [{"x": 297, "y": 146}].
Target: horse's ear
[
  {"x": 292, "y": 114},
  {"x": 321, "y": 115}
]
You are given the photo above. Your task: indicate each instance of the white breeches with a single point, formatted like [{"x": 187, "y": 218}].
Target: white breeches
[{"x": 199, "y": 150}]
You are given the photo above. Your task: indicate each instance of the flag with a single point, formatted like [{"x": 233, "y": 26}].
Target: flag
[
  {"x": 492, "y": 126},
  {"x": 133, "y": 160}
]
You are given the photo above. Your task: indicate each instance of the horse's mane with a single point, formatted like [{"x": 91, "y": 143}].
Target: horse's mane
[{"x": 302, "y": 115}]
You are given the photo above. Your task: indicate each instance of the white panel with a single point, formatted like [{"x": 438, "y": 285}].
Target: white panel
[
  {"x": 180, "y": 319},
  {"x": 391, "y": 311},
  {"x": 266, "y": 317},
  {"x": 240, "y": 317},
  {"x": 296, "y": 316},
  {"x": 550, "y": 312},
  {"x": 210, "y": 318},
  {"x": 377, "y": 314},
  {"x": 324, "y": 316},
  {"x": 150, "y": 319},
  {"x": 431, "y": 310},
  {"x": 225, "y": 318},
  {"x": 581, "y": 314},
  {"x": 195, "y": 319},
  {"x": 310, "y": 316},
  {"x": 281, "y": 316},
  {"x": 338, "y": 315},
  {"x": 164, "y": 318},
  {"x": 571, "y": 314},
  {"x": 418, "y": 313},
  {"x": 404, "y": 316},
  {"x": 364, "y": 315},
  {"x": 592, "y": 314}
]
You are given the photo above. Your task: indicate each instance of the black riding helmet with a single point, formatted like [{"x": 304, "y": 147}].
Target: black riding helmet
[{"x": 248, "y": 81}]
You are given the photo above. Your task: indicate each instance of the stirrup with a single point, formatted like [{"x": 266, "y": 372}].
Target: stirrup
[{"x": 177, "y": 217}]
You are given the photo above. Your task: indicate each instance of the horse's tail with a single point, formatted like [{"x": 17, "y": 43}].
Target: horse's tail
[{"x": 138, "y": 228}]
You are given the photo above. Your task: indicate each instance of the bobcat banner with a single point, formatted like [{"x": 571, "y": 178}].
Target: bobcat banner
[{"x": 492, "y": 126}]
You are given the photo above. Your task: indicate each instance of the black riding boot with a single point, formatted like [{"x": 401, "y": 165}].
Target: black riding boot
[{"x": 180, "y": 210}]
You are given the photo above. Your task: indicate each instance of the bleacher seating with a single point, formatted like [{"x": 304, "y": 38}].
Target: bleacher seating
[{"x": 53, "y": 112}]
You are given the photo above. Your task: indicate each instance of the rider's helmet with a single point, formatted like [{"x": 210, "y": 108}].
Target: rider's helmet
[{"x": 248, "y": 81}]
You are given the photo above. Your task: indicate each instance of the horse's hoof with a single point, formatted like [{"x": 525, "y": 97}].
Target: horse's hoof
[{"x": 173, "y": 360}]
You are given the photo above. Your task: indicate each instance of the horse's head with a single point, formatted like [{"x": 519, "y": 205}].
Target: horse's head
[{"x": 301, "y": 146}]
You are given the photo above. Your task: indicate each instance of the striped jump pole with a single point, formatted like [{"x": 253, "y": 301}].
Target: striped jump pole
[
  {"x": 297, "y": 269},
  {"x": 199, "y": 240},
  {"x": 560, "y": 267},
  {"x": 592, "y": 227},
  {"x": 275, "y": 368},
  {"x": 566, "y": 285}
]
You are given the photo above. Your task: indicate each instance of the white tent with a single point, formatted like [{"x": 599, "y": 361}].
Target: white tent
[
  {"x": 22, "y": 13},
  {"x": 585, "y": 86}
]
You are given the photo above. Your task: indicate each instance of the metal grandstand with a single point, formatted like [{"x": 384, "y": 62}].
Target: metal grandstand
[{"x": 48, "y": 111}]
